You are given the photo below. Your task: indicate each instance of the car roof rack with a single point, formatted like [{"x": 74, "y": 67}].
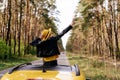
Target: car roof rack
[
  {"x": 19, "y": 66},
  {"x": 77, "y": 71}
]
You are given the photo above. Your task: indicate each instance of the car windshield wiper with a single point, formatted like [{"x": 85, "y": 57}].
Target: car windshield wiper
[{"x": 19, "y": 66}]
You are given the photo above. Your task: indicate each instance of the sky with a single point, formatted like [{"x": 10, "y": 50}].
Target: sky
[
  {"x": 3, "y": 4},
  {"x": 66, "y": 8}
]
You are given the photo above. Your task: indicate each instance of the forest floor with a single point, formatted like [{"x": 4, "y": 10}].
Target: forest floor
[
  {"x": 110, "y": 61},
  {"x": 96, "y": 68}
]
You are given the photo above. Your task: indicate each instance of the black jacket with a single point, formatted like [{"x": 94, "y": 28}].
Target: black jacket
[{"x": 49, "y": 47}]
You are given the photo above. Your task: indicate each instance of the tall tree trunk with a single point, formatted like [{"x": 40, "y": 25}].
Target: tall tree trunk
[
  {"x": 4, "y": 24},
  {"x": 110, "y": 29},
  {"x": 15, "y": 26},
  {"x": 25, "y": 30},
  {"x": 118, "y": 25},
  {"x": 35, "y": 24},
  {"x": 19, "y": 32},
  {"x": 28, "y": 25},
  {"x": 116, "y": 29},
  {"x": 8, "y": 38}
]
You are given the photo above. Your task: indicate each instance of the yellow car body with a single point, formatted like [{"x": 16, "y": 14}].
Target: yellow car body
[{"x": 41, "y": 73}]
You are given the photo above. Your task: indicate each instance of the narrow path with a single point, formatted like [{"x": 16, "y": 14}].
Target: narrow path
[{"x": 62, "y": 60}]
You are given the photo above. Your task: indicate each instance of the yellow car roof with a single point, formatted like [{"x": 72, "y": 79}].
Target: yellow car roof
[{"x": 35, "y": 72}]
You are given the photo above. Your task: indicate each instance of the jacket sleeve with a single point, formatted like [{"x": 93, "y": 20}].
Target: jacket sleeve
[
  {"x": 36, "y": 42},
  {"x": 63, "y": 32}
]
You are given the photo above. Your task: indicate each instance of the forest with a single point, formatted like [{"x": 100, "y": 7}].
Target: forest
[
  {"x": 21, "y": 21},
  {"x": 97, "y": 29},
  {"x": 96, "y": 38},
  {"x": 96, "y": 32}
]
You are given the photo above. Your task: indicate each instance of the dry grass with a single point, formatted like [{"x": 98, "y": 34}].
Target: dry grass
[{"x": 95, "y": 69}]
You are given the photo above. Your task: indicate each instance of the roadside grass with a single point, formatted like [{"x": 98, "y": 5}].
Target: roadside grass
[
  {"x": 16, "y": 61},
  {"x": 93, "y": 69}
]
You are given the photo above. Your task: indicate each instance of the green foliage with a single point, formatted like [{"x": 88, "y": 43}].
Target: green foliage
[
  {"x": 97, "y": 64},
  {"x": 69, "y": 44},
  {"x": 68, "y": 47},
  {"x": 32, "y": 50},
  {"x": 4, "y": 50},
  {"x": 99, "y": 77},
  {"x": 95, "y": 70},
  {"x": 13, "y": 61}
]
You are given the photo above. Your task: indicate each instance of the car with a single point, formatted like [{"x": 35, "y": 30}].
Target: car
[{"x": 29, "y": 71}]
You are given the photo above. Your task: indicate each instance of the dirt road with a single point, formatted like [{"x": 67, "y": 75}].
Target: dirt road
[{"x": 62, "y": 60}]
